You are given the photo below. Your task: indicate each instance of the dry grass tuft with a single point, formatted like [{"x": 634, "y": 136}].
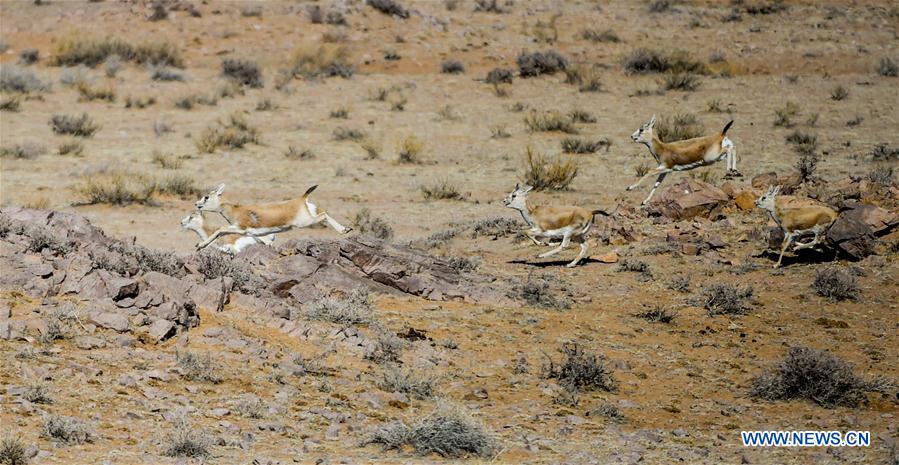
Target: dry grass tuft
[
  {"x": 88, "y": 93},
  {"x": 537, "y": 63},
  {"x": 645, "y": 61},
  {"x": 243, "y": 72},
  {"x": 81, "y": 126},
  {"x": 410, "y": 150},
  {"x": 233, "y": 133},
  {"x": 679, "y": 127},
  {"x": 549, "y": 121},
  {"x": 88, "y": 51},
  {"x": 323, "y": 60},
  {"x": 441, "y": 190},
  {"x": 545, "y": 173}
]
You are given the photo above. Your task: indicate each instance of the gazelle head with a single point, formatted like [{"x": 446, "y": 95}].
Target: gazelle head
[
  {"x": 766, "y": 202},
  {"x": 212, "y": 202},
  {"x": 194, "y": 221},
  {"x": 517, "y": 199},
  {"x": 643, "y": 135}
]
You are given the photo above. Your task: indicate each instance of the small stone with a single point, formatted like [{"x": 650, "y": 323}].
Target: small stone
[
  {"x": 610, "y": 257},
  {"x": 89, "y": 342},
  {"x": 333, "y": 432},
  {"x": 219, "y": 412}
]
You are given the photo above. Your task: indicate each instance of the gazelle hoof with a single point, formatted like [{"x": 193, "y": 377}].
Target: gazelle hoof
[{"x": 571, "y": 265}]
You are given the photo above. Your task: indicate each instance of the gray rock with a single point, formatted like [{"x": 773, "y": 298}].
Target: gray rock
[
  {"x": 160, "y": 330},
  {"x": 115, "y": 321},
  {"x": 89, "y": 342}
]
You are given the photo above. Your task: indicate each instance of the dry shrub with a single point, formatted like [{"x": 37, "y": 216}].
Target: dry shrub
[
  {"x": 499, "y": 76},
  {"x": 166, "y": 160},
  {"x": 70, "y": 147},
  {"x": 545, "y": 32},
  {"x": 66, "y": 430},
  {"x": 681, "y": 81},
  {"x": 372, "y": 226},
  {"x": 184, "y": 441},
  {"x": 549, "y": 121},
  {"x": 199, "y": 368},
  {"x": 371, "y": 148},
  {"x": 410, "y": 150},
  {"x": 644, "y": 61},
  {"x": 839, "y": 93},
  {"x": 489, "y": 6},
  {"x": 449, "y": 432},
  {"x": 725, "y": 299},
  {"x": 81, "y": 126},
  {"x": 344, "y": 133},
  {"x": 784, "y": 116},
  {"x": 294, "y": 153},
  {"x": 165, "y": 74},
  {"x": 323, "y": 60},
  {"x": 29, "y": 56},
  {"x": 574, "y": 145},
  {"x": 16, "y": 79},
  {"x": 243, "y": 72},
  {"x": 318, "y": 16},
  {"x": 836, "y": 285},
  {"x": 597, "y": 36},
  {"x": 389, "y": 7},
  {"x": 580, "y": 370},
  {"x": 802, "y": 142},
  {"x": 658, "y": 315},
  {"x": 142, "y": 102},
  {"x": 352, "y": 309},
  {"x": 88, "y": 93},
  {"x": 887, "y": 67},
  {"x": 25, "y": 151},
  {"x": 813, "y": 375},
  {"x": 441, "y": 190},
  {"x": 11, "y": 103},
  {"x": 536, "y": 292},
  {"x": 537, "y": 63},
  {"x": 406, "y": 382},
  {"x": 233, "y": 133},
  {"x": 452, "y": 67},
  {"x": 89, "y": 51},
  {"x": 13, "y": 451},
  {"x": 678, "y": 127},
  {"x": 545, "y": 173}
]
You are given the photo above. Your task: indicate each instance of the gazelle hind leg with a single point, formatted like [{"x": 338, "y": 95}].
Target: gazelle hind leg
[
  {"x": 645, "y": 177},
  {"x": 580, "y": 256},
  {"x": 565, "y": 240}
]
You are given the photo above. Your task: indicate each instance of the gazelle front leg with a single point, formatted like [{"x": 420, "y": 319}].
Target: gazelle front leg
[
  {"x": 565, "y": 241},
  {"x": 645, "y": 177},
  {"x": 655, "y": 186},
  {"x": 787, "y": 240},
  {"x": 332, "y": 223}
]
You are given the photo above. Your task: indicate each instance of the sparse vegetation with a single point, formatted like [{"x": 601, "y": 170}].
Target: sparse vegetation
[
  {"x": 29, "y": 56},
  {"x": 636, "y": 266},
  {"x": 574, "y": 145},
  {"x": 680, "y": 81},
  {"x": 406, "y": 382},
  {"x": 70, "y": 147},
  {"x": 166, "y": 160},
  {"x": 725, "y": 299},
  {"x": 537, "y": 293},
  {"x": 318, "y": 16},
  {"x": 266, "y": 104},
  {"x": 549, "y": 121},
  {"x": 881, "y": 175},
  {"x": 836, "y": 285},
  {"x": 548, "y": 173},
  {"x": 372, "y": 149},
  {"x": 452, "y": 66},
  {"x": 295, "y": 153},
  {"x": 340, "y": 113},
  {"x": 678, "y": 127},
  {"x": 537, "y": 63},
  {"x": 887, "y": 67},
  {"x": 13, "y": 451},
  {"x": 644, "y": 61},
  {"x": 322, "y": 60},
  {"x": 184, "y": 441},
  {"x": 441, "y": 190},
  {"x": 839, "y": 93},
  {"x": 658, "y": 315},
  {"x": 498, "y": 131},
  {"x": 352, "y": 309},
  {"x": 448, "y": 432},
  {"x": 372, "y": 226},
  {"x": 26, "y": 151},
  {"x": 233, "y": 133},
  {"x": 243, "y": 72},
  {"x": 581, "y": 116},
  {"x": 89, "y": 93},
  {"x": 599, "y": 36},
  {"x": 410, "y": 150},
  {"x": 80, "y": 126},
  {"x": 16, "y": 79},
  {"x": 802, "y": 142},
  {"x": 65, "y": 430},
  {"x": 499, "y": 76},
  {"x": 784, "y": 116},
  {"x": 144, "y": 102},
  {"x": 680, "y": 284},
  {"x": 79, "y": 50},
  {"x": 389, "y": 7},
  {"x": 10, "y": 103},
  {"x": 580, "y": 370},
  {"x": 344, "y": 133},
  {"x": 812, "y": 375},
  {"x": 488, "y": 6},
  {"x": 166, "y": 74},
  {"x": 387, "y": 347},
  {"x": 199, "y": 368}
]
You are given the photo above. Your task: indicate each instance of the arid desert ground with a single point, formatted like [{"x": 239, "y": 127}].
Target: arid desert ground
[{"x": 415, "y": 119}]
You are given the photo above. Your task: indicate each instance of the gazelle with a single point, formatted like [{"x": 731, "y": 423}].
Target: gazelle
[
  {"x": 547, "y": 223},
  {"x": 266, "y": 218},
  {"x": 797, "y": 221},
  {"x": 196, "y": 222},
  {"x": 684, "y": 155}
]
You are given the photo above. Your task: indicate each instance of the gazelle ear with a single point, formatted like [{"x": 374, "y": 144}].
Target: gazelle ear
[
  {"x": 777, "y": 189},
  {"x": 528, "y": 188},
  {"x": 652, "y": 121},
  {"x": 220, "y": 189},
  {"x": 517, "y": 186}
]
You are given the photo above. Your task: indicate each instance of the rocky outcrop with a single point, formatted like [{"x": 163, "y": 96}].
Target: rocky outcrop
[
  {"x": 128, "y": 288},
  {"x": 687, "y": 199}
]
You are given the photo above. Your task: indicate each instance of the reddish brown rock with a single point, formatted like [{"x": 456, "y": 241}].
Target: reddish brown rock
[{"x": 687, "y": 199}]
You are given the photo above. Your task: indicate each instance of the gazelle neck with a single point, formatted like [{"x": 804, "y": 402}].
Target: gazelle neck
[
  {"x": 654, "y": 147},
  {"x": 526, "y": 214}
]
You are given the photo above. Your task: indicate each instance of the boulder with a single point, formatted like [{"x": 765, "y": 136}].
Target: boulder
[
  {"x": 114, "y": 321},
  {"x": 160, "y": 330},
  {"x": 855, "y": 231},
  {"x": 687, "y": 199}
]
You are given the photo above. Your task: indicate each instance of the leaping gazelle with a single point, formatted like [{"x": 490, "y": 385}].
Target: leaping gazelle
[
  {"x": 547, "y": 223},
  {"x": 196, "y": 222},
  {"x": 795, "y": 222},
  {"x": 266, "y": 218},
  {"x": 685, "y": 154}
]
